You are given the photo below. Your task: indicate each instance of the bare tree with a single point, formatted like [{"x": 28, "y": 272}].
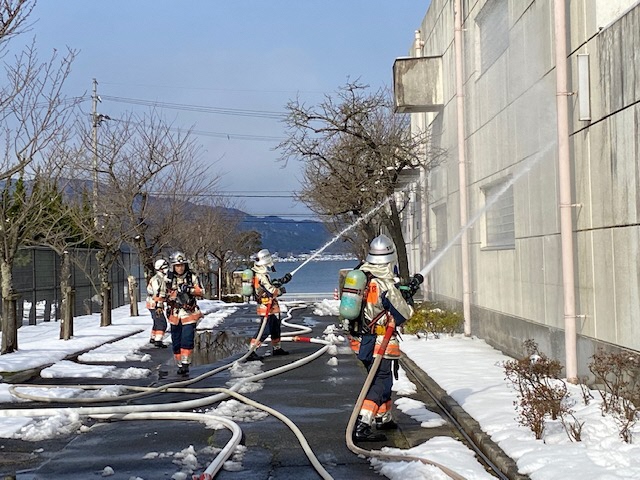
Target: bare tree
[
  {"x": 354, "y": 150},
  {"x": 14, "y": 15},
  {"x": 59, "y": 229},
  {"x": 32, "y": 116},
  {"x": 214, "y": 236},
  {"x": 146, "y": 172}
]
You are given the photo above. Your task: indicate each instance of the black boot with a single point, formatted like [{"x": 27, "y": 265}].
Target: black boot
[
  {"x": 159, "y": 344},
  {"x": 279, "y": 351},
  {"x": 389, "y": 425},
  {"x": 363, "y": 433},
  {"x": 183, "y": 369},
  {"x": 254, "y": 357}
]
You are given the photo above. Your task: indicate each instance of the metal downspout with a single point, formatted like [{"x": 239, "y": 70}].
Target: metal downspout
[
  {"x": 564, "y": 179},
  {"x": 462, "y": 170},
  {"x": 425, "y": 247}
]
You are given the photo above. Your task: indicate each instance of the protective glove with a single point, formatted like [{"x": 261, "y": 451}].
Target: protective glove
[
  {"x": 278, "y": 282},
  {"x": 282, "y": 290},
  {"x": 159, "y": 310},
  {"x": 184, "y": 288}
]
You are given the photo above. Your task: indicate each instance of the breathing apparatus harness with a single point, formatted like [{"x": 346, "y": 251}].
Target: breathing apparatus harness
[{"x": 183, "y": 299}]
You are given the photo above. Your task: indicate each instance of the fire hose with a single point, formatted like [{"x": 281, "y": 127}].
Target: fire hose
[
  {"x": 378, "y": 356},
  {"x": 171, "y": 411}
]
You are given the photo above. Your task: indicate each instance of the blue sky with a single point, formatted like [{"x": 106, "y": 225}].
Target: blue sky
[{"x": 241, "y": 54}]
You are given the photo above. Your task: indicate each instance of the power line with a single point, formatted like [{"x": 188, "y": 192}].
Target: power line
[
  {"x": 228, "y": 136},
  {"x": 199, "y": 108},
  {"x": 225, "y": 195},
  {"x": 212, "y": 89}
]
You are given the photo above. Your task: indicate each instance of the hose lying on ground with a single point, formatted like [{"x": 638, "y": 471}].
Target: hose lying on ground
[
  {"x": 356, "y": 410},
  {"x": 171, "y": 411}
]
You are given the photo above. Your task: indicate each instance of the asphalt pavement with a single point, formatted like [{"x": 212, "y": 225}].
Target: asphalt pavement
[{"x": 318, "y": 397}]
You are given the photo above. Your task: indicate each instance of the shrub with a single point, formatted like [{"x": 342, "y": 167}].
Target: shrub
[
  {"x": 541, "y": 393},
  {"x": 432, "y": 317},
  {"x": 618, "y": 373}
]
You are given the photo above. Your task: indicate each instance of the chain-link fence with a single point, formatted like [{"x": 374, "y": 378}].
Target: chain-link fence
[{"x": 36, "y": 277}]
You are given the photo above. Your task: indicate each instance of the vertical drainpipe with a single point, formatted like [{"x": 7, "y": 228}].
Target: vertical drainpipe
[
  {"x": 564, "y": 180},
  {"x": 425, "y": 247},
  {"x": 462, "y": 170}
]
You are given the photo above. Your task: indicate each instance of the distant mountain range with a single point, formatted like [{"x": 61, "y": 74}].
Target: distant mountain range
[{"x": 292, "y": 237}]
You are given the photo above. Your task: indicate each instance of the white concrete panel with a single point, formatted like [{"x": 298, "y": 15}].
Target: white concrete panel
[
  {"x": 576, "y": 13},
  {"x": 506, "y": 281},
  {"x": 532, "y": 275},
  {"x": 608, "y": 11},
  {"x": 470, "y": 101},
  {"x": 505, "y": 138},
  {"x": 601, "y": 177},
  {"x": 626, "y": 247},
  {"x": 525, "y": 115},
  {"x": 606, "y": 50},
  {"x": 554, "y": 294},
  {"x": 539, "y": 39},
  {"x": 633, "y": 44},
  {"x": 628, "y": 55},
  {"x": 518, "y": 310},
  {"x": 625, "y": 168},
  {"x": 522, "y": 205},
  {"x": 548, "y": 194},
  {"x": 604, "y": 286},
  {"x": 582, "y": 178},
  {"x": 517, "y": 8},
  {"x": 547, "y": 126},
  {"x": 584, "y": 276}
]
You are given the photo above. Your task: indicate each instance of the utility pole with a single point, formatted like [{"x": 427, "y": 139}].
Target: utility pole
[
  {"x": 94, "y": 131},
  {"x": 96, "y": 120}
]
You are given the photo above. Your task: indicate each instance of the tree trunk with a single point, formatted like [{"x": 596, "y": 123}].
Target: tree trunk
[
  {"x": 133, "y": 296},
  {"x": 66, "y": 324},
  {"x": 105, "y": 288},
  {"x": 395, "y": 230},
  {"x": 9, "y": 324},
  {"x": 105, "y": 311},
  {"x": 9, "y": 311}
]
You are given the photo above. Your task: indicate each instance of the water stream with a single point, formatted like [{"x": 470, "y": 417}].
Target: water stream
[
  {"x": 345, "y": 230},
  {"x": 526, "y": 167}
]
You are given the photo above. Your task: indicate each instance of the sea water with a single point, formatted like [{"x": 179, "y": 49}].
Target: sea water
[{"x": 317, "y": 276}]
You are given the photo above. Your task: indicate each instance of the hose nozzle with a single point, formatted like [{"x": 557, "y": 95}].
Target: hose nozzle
[{"x": 416, "y": 281}]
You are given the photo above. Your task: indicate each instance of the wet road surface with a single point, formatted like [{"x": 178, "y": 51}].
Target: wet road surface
[{"x": 317, "y": 397}]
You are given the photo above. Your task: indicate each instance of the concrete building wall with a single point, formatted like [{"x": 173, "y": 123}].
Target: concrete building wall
[{"x": 511, "y": 136}]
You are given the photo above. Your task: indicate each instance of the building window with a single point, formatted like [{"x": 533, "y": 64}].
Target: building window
[
  {"x": 499, "y": 218},
  {"x": 493, "y": 32},
  {"x": 440, "y": 213}
]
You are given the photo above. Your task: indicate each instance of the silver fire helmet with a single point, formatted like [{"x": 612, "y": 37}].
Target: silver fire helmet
[
  {"x": 381, "y": 250},
  {"x": 178, "y": 258},
  {"x": 263, "y": 257}
]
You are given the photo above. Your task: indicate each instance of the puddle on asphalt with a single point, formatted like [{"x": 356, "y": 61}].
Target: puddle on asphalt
[{"x": 212, "y": 346}]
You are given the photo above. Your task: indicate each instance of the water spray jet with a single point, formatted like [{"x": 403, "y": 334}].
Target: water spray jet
[{"x": 528, "y": 165}]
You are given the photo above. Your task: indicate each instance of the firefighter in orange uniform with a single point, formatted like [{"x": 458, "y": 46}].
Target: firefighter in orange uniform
[
  {"x": 156, "y": 295},
  {"x": 183, "y": 288},
  {"x": 266, "y": 292},
  {"x": 385, "y": 306}
]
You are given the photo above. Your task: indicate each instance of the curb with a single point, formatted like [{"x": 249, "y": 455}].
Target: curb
[
  {"x": 471, "y": 427},
  {"x": 22, "y": 376}
]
